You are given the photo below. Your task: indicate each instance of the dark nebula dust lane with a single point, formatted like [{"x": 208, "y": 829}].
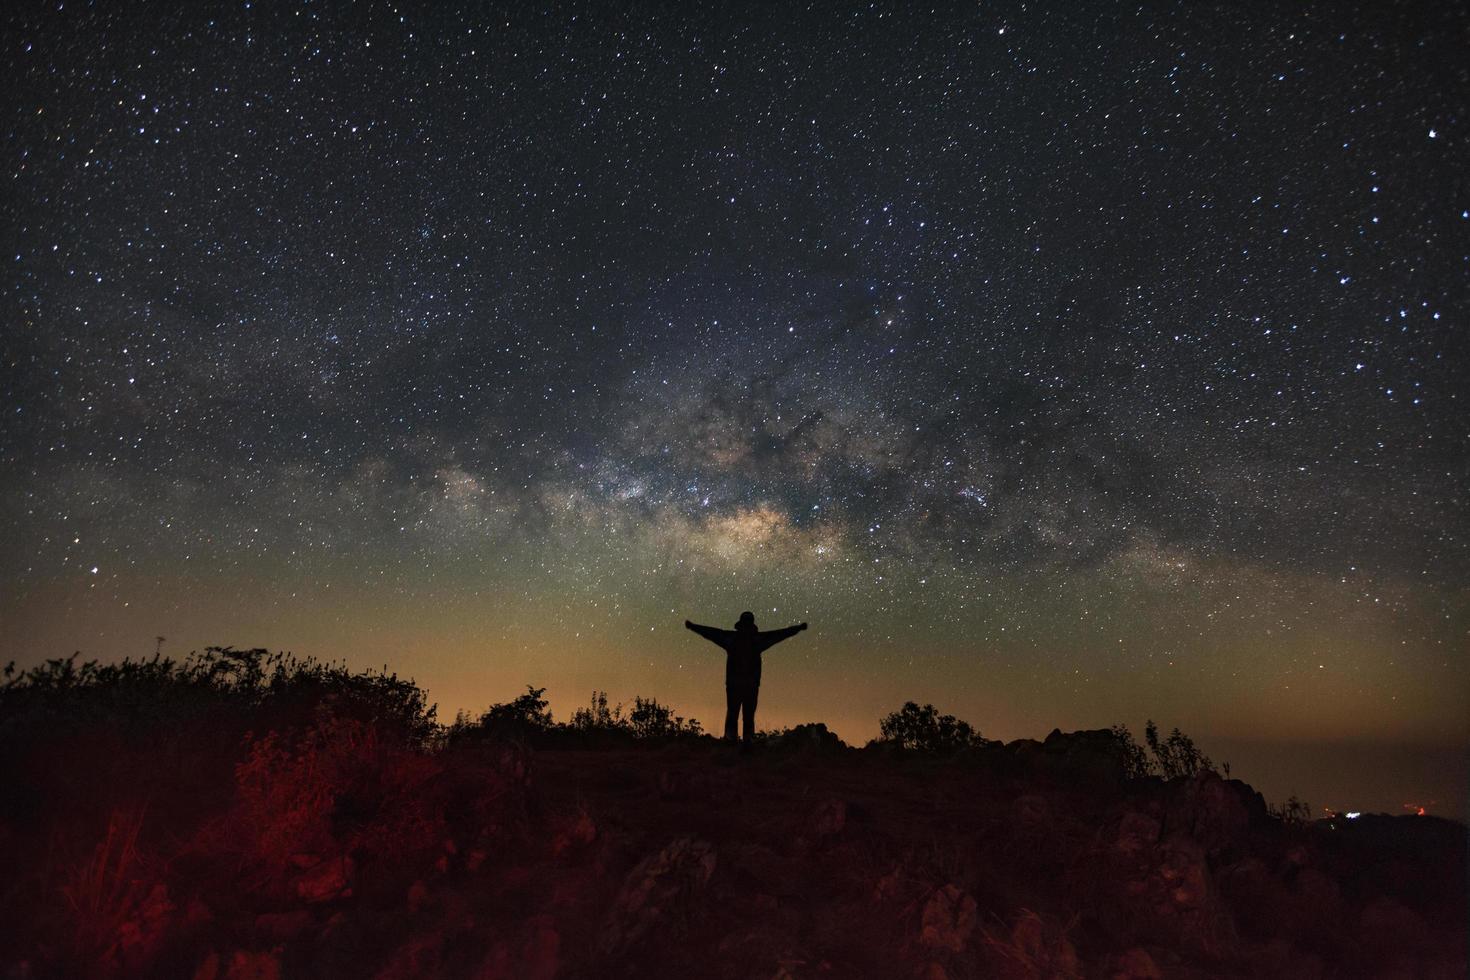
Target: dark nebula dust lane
[{"x": 1061, "y": 367}]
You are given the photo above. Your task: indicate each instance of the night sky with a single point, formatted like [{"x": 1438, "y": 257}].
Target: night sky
[{"x": 1061, "y": 364}]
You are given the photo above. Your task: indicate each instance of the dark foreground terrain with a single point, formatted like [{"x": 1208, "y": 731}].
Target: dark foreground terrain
[{"x": 327, "y": 828}]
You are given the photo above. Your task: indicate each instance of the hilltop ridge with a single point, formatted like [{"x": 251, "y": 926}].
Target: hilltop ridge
[{"x": 319, "y": 825}]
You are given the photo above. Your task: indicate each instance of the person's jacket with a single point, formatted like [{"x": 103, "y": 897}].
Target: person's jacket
[{"x": 743, "y": 649}]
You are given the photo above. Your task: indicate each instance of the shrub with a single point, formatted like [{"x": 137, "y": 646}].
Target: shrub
[
  {"x": 808, "y": 735},
  {"x": 1176, "y": 755},
  {"x": 213, "y": 686},
  {"x": 649, "y": 719},
  {"x": 598, "y": 717},
  {"x": 527, "y": 711},
  {"x": 1136, "y": 764},
  {"x": 118, "y": 904},
  {"x": 1173, "y": 757},
  {"x": 1293, "y": 813},
  {"x": 521, "y": 718},
  {"x": 926, "y": 730},
  {"x": 337, "y": 788}
]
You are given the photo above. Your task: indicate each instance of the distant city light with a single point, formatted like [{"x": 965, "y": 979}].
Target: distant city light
[{"x": 1353, "y": 815}]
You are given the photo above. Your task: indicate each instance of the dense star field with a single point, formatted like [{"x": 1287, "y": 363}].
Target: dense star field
[{"x": 1062, "y": 365}]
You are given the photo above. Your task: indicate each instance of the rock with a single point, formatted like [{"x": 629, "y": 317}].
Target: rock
[
  {"x": 1386, "y": 925},
  {"x": 1181, "y": 894},
  {"x": 418, "y": 895},
  {"x": 197, "y": 913},
  {"x": 656, "y": 893},
  {"x": 829, "y": 819},
  {"x": 1137, "y": 832},
  {"x": 1032, "y": 814},
  {"x": 1031, "y": 809},
  {"x": 1043, "y": 947},
  {"x": 280, "y": 927},
  {"x": 888, "y": 886},
  {"x": 1216, "y": 812},
  {"x": 242, "y": 965},
  {"x": 328, "y": 880},
  {"x": 540, "y": 950},
  {"x": 1317, "y": 888},
  {"x": 948, "y": 920},
  {"x": 1279, "y": 958},
  {"x": 421, "y": 955},
  {"x": 140, "y": 935},
  {"x": 1257, "y": 897},
  {"x": 1136, "y": 964},
  {"x": 1185, "y": 873},
  {"x": 672, "y": 783},
  {"x": 513, "y": 761},
  {"x": 1092, "y": 758},
  {"x": 810, "y": 738},
  {"x": 574, "y": 833}
]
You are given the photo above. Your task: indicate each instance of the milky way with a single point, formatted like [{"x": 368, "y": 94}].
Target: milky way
[{"x": 1061, "y": 366}]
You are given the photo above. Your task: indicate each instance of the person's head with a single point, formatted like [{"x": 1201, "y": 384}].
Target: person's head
[{"x": 747, "y": 621}]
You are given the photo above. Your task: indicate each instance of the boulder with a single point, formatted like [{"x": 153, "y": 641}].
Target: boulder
[
  {"x": 241, "y": 965},
  {"x": 573, "y": 834},
  {"x": 828, "y": 819},
  {"x": 1135, "y": 964},
  {"x": 1181, "y": 896},
  {"x": 1041, "y": 948},
  {"x": 656, "y": 894},
  {"x": 1137, "y": 833},
  {"x": 281, "y": 927},
  {"x": 1092, "y": 759},
  {"x": 326, "y": 881},
  {"x": 948, "y": 919},
  {"x": 810, "y": 738},
  {"x": 1218, "y": 813},
  {"x": 1031, "y": 818}
]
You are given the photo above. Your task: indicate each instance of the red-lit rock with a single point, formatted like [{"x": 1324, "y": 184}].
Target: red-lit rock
[
  {"x": 948, "y": 920},
  {"x": 327, "y": 880},
  {"x": 656, "y": 892}
]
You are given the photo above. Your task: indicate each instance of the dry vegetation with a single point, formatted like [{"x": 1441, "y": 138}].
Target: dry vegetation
[{"x": 247, "y": 815}]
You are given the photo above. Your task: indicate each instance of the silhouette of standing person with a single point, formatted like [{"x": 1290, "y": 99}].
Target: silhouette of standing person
[{"x": 743, "y": 646}]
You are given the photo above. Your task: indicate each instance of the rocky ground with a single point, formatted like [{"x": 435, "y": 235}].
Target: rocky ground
[{"x": 334, "y": 851}]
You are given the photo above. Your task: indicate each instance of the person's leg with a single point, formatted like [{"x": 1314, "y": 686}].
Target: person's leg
[
  {"x": 747, "y": 703},
  {"x": 732, "y": 711}
]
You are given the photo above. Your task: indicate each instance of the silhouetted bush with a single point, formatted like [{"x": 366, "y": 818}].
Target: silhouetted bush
[
  {"x": 1136, "y": 764},
  {"x": 525, "y": 716},
  {"x": 220, "y": 684},
  {"x": 650, "y": 719},
  {"x": 1173, "y": 757},
  {"x": 326, "y": 843},
  {"x": 926, "y": 730},
  {"x": 806, "y": 736},
  {"x": 1293, "y": 813},
  {"x": 1176, "y": 755},
  {"x": 598, "y": 716}
]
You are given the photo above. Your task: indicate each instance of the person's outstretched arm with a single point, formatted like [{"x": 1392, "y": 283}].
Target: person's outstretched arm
[
  {"x": 711, "y": 633},
  {"x": 770, "y": 638}
]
